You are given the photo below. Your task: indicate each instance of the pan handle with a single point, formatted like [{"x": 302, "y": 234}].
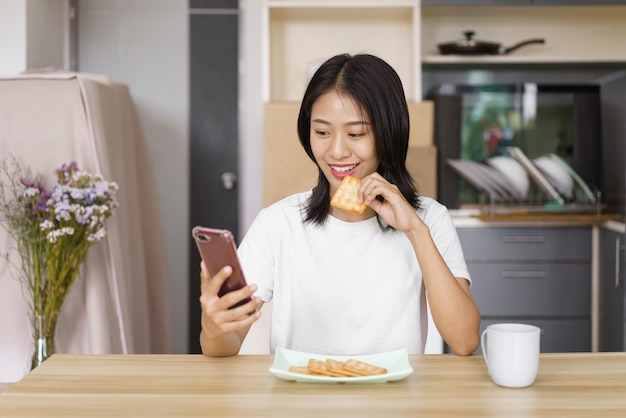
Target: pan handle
[{"x": 512, "y": 48}]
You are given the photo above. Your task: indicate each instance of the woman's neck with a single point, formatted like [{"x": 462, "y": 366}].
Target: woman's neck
[{"x": 346, "y": 216}]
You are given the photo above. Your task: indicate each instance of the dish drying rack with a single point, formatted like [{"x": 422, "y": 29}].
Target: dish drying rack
[{"x": 497, "y": 195}]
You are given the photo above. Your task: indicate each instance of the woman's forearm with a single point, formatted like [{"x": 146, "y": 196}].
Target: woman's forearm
[
  {"x": 227, "y": 345},
  {"x": 454, "y": 310}
]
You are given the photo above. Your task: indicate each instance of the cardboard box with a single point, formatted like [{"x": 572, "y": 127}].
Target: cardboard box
[
  {"x": 422, "y": 117},
  {"x": 286, "y": 167},
  {"x": 422, "y": 165}
]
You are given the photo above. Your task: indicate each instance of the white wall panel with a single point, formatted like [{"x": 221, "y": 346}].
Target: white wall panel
[
  {"x": 12, "y": 36},
  {"x": 144, "y": 44}
]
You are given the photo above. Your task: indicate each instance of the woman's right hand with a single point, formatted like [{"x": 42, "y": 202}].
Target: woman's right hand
[{"x": 217, "y": 320}]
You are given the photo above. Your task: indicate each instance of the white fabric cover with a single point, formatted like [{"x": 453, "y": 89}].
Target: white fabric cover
[{"x": 119, "y": 304}]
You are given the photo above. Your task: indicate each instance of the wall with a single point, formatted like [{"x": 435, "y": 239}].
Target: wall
[
  {"x": 251, "y": 144},
  {"x": 12, "y": 36},
  {"x": 251, "y": 117},
  {"x": 32, "y": 35},
  {"x": 144, "y": 43},
  {"x": 46, "y": 34}
]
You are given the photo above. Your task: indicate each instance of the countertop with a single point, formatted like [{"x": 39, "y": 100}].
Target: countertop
[{"x": 475, "y": 217}]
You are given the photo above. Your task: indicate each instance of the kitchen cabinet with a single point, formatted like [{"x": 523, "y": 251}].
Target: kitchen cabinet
[
  {"x": 611, "y": 291},
  {"x": 514, "y": 22},
  {"x": 534, "y": 275},
  {"x": 297, "y": 36}
]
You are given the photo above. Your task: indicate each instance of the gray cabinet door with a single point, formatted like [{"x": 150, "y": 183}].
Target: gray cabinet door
[
  {"x": 611, "y": 325},
  {"x": 534, "y": 275},
  {"x": 557, "y": 335},
  {"x": 525, "y": 244},
  {"x": 214, "y": 135},
  {"x": 537, "y": 290}
]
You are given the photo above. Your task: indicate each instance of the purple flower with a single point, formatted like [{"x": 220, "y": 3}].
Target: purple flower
[
  {"x": 67, "y": 168},
  {"x": 26, "y": 182},
  {"x": 42, "y": 202},
  {"x": 65, "y": 172},
  {"x": 37, "y": 184},
  {"x": 36, "y": 195}
]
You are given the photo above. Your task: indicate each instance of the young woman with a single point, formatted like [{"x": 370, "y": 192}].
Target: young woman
[{"x": 345, "y": 283}]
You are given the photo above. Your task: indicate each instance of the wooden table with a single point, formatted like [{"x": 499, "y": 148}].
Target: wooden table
[{"x": 568, "y": 385}]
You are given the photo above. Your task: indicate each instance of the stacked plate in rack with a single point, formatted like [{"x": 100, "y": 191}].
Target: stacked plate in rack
[
  {"x": 506, "y": 178},
  {"x": 488, "y": 180}
]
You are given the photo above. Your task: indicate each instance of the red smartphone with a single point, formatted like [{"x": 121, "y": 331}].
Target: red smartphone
[{"x": 217, "y": 248}]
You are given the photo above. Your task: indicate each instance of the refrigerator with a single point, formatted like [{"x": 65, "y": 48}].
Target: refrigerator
[{"x": 119, "y": 304}]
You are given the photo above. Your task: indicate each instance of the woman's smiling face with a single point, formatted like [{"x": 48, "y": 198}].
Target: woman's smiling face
[{"x": 342, "y": 140}]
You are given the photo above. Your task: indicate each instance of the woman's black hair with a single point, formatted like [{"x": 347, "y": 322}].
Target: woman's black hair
[{"x": 377, "y": 89}]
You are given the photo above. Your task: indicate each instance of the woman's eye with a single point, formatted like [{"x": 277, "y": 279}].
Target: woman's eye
[
  {"x": 321, "y": 133},
  {"x": 356, "y": 135}
]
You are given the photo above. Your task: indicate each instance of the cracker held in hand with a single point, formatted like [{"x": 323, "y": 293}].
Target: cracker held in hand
[{"x": 346, "y": 196}]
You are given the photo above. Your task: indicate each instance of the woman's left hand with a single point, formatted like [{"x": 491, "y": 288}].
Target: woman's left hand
[{"x": 394, "y": 208}]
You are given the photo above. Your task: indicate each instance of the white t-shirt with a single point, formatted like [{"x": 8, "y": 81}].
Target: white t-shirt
[{"x": 344, "y": 287}]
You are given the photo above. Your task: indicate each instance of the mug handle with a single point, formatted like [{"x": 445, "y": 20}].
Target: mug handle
[{"x": 483, "y": 346}]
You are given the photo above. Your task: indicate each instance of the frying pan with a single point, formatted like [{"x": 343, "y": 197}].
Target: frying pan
[{"x": 470, "y": 46}]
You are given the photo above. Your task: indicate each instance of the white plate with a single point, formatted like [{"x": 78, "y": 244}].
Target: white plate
[
  {"x": 577, "y": 179},
  {"x": 396, "y": 362},
  {"x": 483, "y": 172},
  {"x": 514, "y": 172},
  {"x": 478, "y": 176},
  {"x": 470, "y": 176},
  {"x": 556, "y": 175},
  {"x": 535, "y": 174},
  {"x": 502, "y": 181}
]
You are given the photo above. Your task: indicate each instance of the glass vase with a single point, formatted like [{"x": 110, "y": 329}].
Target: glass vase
[{"x": 44, "y": 328}]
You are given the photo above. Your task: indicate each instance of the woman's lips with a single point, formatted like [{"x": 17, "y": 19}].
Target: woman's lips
[{"x": 340, "y": 171}]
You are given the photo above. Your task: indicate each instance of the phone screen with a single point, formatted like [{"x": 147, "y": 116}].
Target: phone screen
[{"x": 217, "y": 249}]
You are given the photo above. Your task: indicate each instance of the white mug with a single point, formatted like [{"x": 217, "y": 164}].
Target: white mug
[{"x": 511, "y": 352}]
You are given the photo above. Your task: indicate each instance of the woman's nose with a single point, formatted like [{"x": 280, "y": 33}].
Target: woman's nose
[{"x": 339, "y": 147}]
